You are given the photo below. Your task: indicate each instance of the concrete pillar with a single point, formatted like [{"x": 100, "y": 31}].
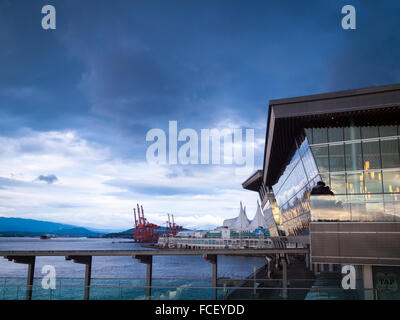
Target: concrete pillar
[
  {"x": 315, "y": 268},
  {"x": 284, "y": 279},
  {"x": 30, "y": 261},
  {"x": 321, "y": 267},
  {"x": 213, "y": 259},
  {"x": 87, "y": 261},
  {"x": 330, "y": 267},
  {"x": 368, "y": 282},
  {"x": 307, "y": 260},
  {"x": 148, "y": 260}
]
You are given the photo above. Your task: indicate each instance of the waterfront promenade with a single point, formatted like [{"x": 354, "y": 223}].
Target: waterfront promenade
[{"x": 143, "y": 256}]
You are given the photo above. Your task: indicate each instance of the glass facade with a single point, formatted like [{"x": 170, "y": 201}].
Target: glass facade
[
  {"x": 273, "y": 218},
  {"x": 360, "y": 164},
  {"x": 292, "y": 191},
  {"x": 362, "y": 167}
]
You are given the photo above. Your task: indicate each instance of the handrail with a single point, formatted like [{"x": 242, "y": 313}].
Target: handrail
[{"x": 157, "y": 252}]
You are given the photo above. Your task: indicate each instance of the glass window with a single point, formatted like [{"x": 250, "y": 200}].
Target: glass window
[
  {"x": 353, "y": 156},
  {"x": 335, "y": 134},
  {"x": 309, "y": 165},
  {"x": 391, "y": 181},
  {"x": 321, "y": 157},
  {"x": 371, "y": 155},
  {"x": 369, "y": 132},
  {"x": 320, "y": 135},
  {"x": 355, "y": 183},
  {"x": 309, "y": 135},
  {"x": 298, "y": 178},
  {"x": 303, "y": 146},
  {"x": 338, "y": 183},
  {"x": 390, "y": 153},
  {"x": 372, "y": 182},
  {"x": 374, "y": 209},
  {"x": 387, "y": 131},
  {"x": 336, "y": 157},
  {"x": 392, "y": 206},
  {"x": 357, "y": 207},
  {"x": 352, "y": 133}
]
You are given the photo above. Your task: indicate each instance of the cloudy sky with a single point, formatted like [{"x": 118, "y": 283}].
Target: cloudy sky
[{"x": 76, "y": 102}]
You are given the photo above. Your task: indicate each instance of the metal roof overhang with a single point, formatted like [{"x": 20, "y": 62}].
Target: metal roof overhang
[
  {"x": 253, "y": 183},
  {"x": 288, "y": 117}
]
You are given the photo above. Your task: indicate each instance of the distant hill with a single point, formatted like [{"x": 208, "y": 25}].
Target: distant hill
[
  {"x": 127, "y": 234},
  {"x": 130, "y": 233},
  {"x": 19, "y": 227}
]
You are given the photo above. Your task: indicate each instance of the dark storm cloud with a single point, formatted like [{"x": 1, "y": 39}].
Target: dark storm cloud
[
  {"x": 49, "y": 179},
  {"x": 114, "y": 70}
]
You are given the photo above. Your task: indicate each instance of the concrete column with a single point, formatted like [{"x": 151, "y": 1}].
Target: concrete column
[
  {"x": 213, "y": 259},
  {"x": 284, "y": 279},
  {"x": 321, "y": 267},
  {"x": 307, "y": 260},
  {"x": 87, "y": 261},
  {"x": 148, "y": 260},
  {"x": 30, "y": 261},
  {"x": 315, "y": 268},
  {"x": 368, "y": 282},
  {"x": 88, "y": 273},
  {"x": 330, "y": 267}
]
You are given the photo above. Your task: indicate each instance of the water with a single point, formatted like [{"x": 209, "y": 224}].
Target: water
[{"x": 115, "y": 277}]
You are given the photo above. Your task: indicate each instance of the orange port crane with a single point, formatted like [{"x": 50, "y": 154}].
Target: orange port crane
[{"x": 144, "y": 230}]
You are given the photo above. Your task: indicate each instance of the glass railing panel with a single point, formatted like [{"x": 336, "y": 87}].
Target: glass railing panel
[{"x": 357, "y": 208}]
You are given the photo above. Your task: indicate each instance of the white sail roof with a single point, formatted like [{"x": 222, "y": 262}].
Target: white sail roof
[
  {"x": 228, "y": 222},
  {"x": 241, "y": 223},
  {"x": 258, "y": 220}
]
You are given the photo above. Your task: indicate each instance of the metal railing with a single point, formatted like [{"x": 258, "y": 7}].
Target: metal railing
[{"x": 179, "y": 289}]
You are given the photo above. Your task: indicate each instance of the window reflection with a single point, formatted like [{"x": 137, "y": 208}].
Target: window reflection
[
  {"x": 338, "y": 183},
  {"x": 387, "y": 131},
  {"x": 390, "y": 153},
  {"x": 309, "y": 165},
  {"x": 377, "y": 207},
  {"x": 369, "y": 132},
  {"x": 372, "y": 182},
  {"x": 352, "y": 133},
  {"x": 391, "y": 182},
  {"x": 353, "y": 156},
  {"x": 355, "y": 183},
  {"x": 309, "y": 135},
  {"x": 355, "y": 170},
  {"x": 321, "y": 157},
  {"x": 371, "y": 155},
  {"x": 320, "y": 135},
  {"x": 392, "y": 206},
  {"x": 336, "y": 157},
  {"x": 335, "y": 134}
]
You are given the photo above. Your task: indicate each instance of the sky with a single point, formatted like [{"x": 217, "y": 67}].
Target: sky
[{"x": 77, "y": 102}]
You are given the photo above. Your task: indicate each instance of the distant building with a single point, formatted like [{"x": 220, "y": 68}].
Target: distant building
[{"x": 243, "y": 224}]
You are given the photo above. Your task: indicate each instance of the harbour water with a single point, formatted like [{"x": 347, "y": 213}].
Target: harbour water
[{"x": 175, "y": 277}]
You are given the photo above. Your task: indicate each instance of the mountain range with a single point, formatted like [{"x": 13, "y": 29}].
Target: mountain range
[{"x": 14, "y": 227}]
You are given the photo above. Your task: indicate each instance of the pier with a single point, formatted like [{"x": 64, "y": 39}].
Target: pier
[{"x": 143, "y": 256}]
